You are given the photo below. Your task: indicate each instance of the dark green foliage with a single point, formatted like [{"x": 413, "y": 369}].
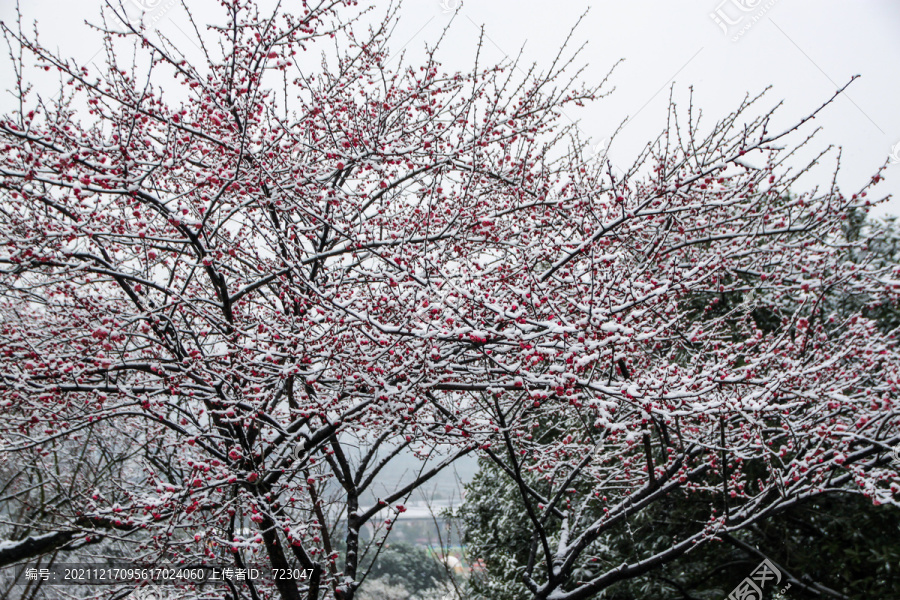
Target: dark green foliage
[
  {"x": 409, "y": 565},
  {"x": 842, "y": 542},
  {"x": 497, "y": 533}
]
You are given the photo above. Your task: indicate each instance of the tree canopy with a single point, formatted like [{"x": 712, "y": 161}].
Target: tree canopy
[{"x": 206, "y": 264}]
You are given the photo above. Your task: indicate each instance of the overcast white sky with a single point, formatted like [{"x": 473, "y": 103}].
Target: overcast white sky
[{"x": 804, "y": 49}]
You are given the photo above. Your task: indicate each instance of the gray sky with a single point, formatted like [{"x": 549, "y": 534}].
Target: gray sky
[{"x": 803, "y": 49}]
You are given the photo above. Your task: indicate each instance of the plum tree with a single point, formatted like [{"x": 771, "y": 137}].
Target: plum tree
[{"x": 206, "y": 263}]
